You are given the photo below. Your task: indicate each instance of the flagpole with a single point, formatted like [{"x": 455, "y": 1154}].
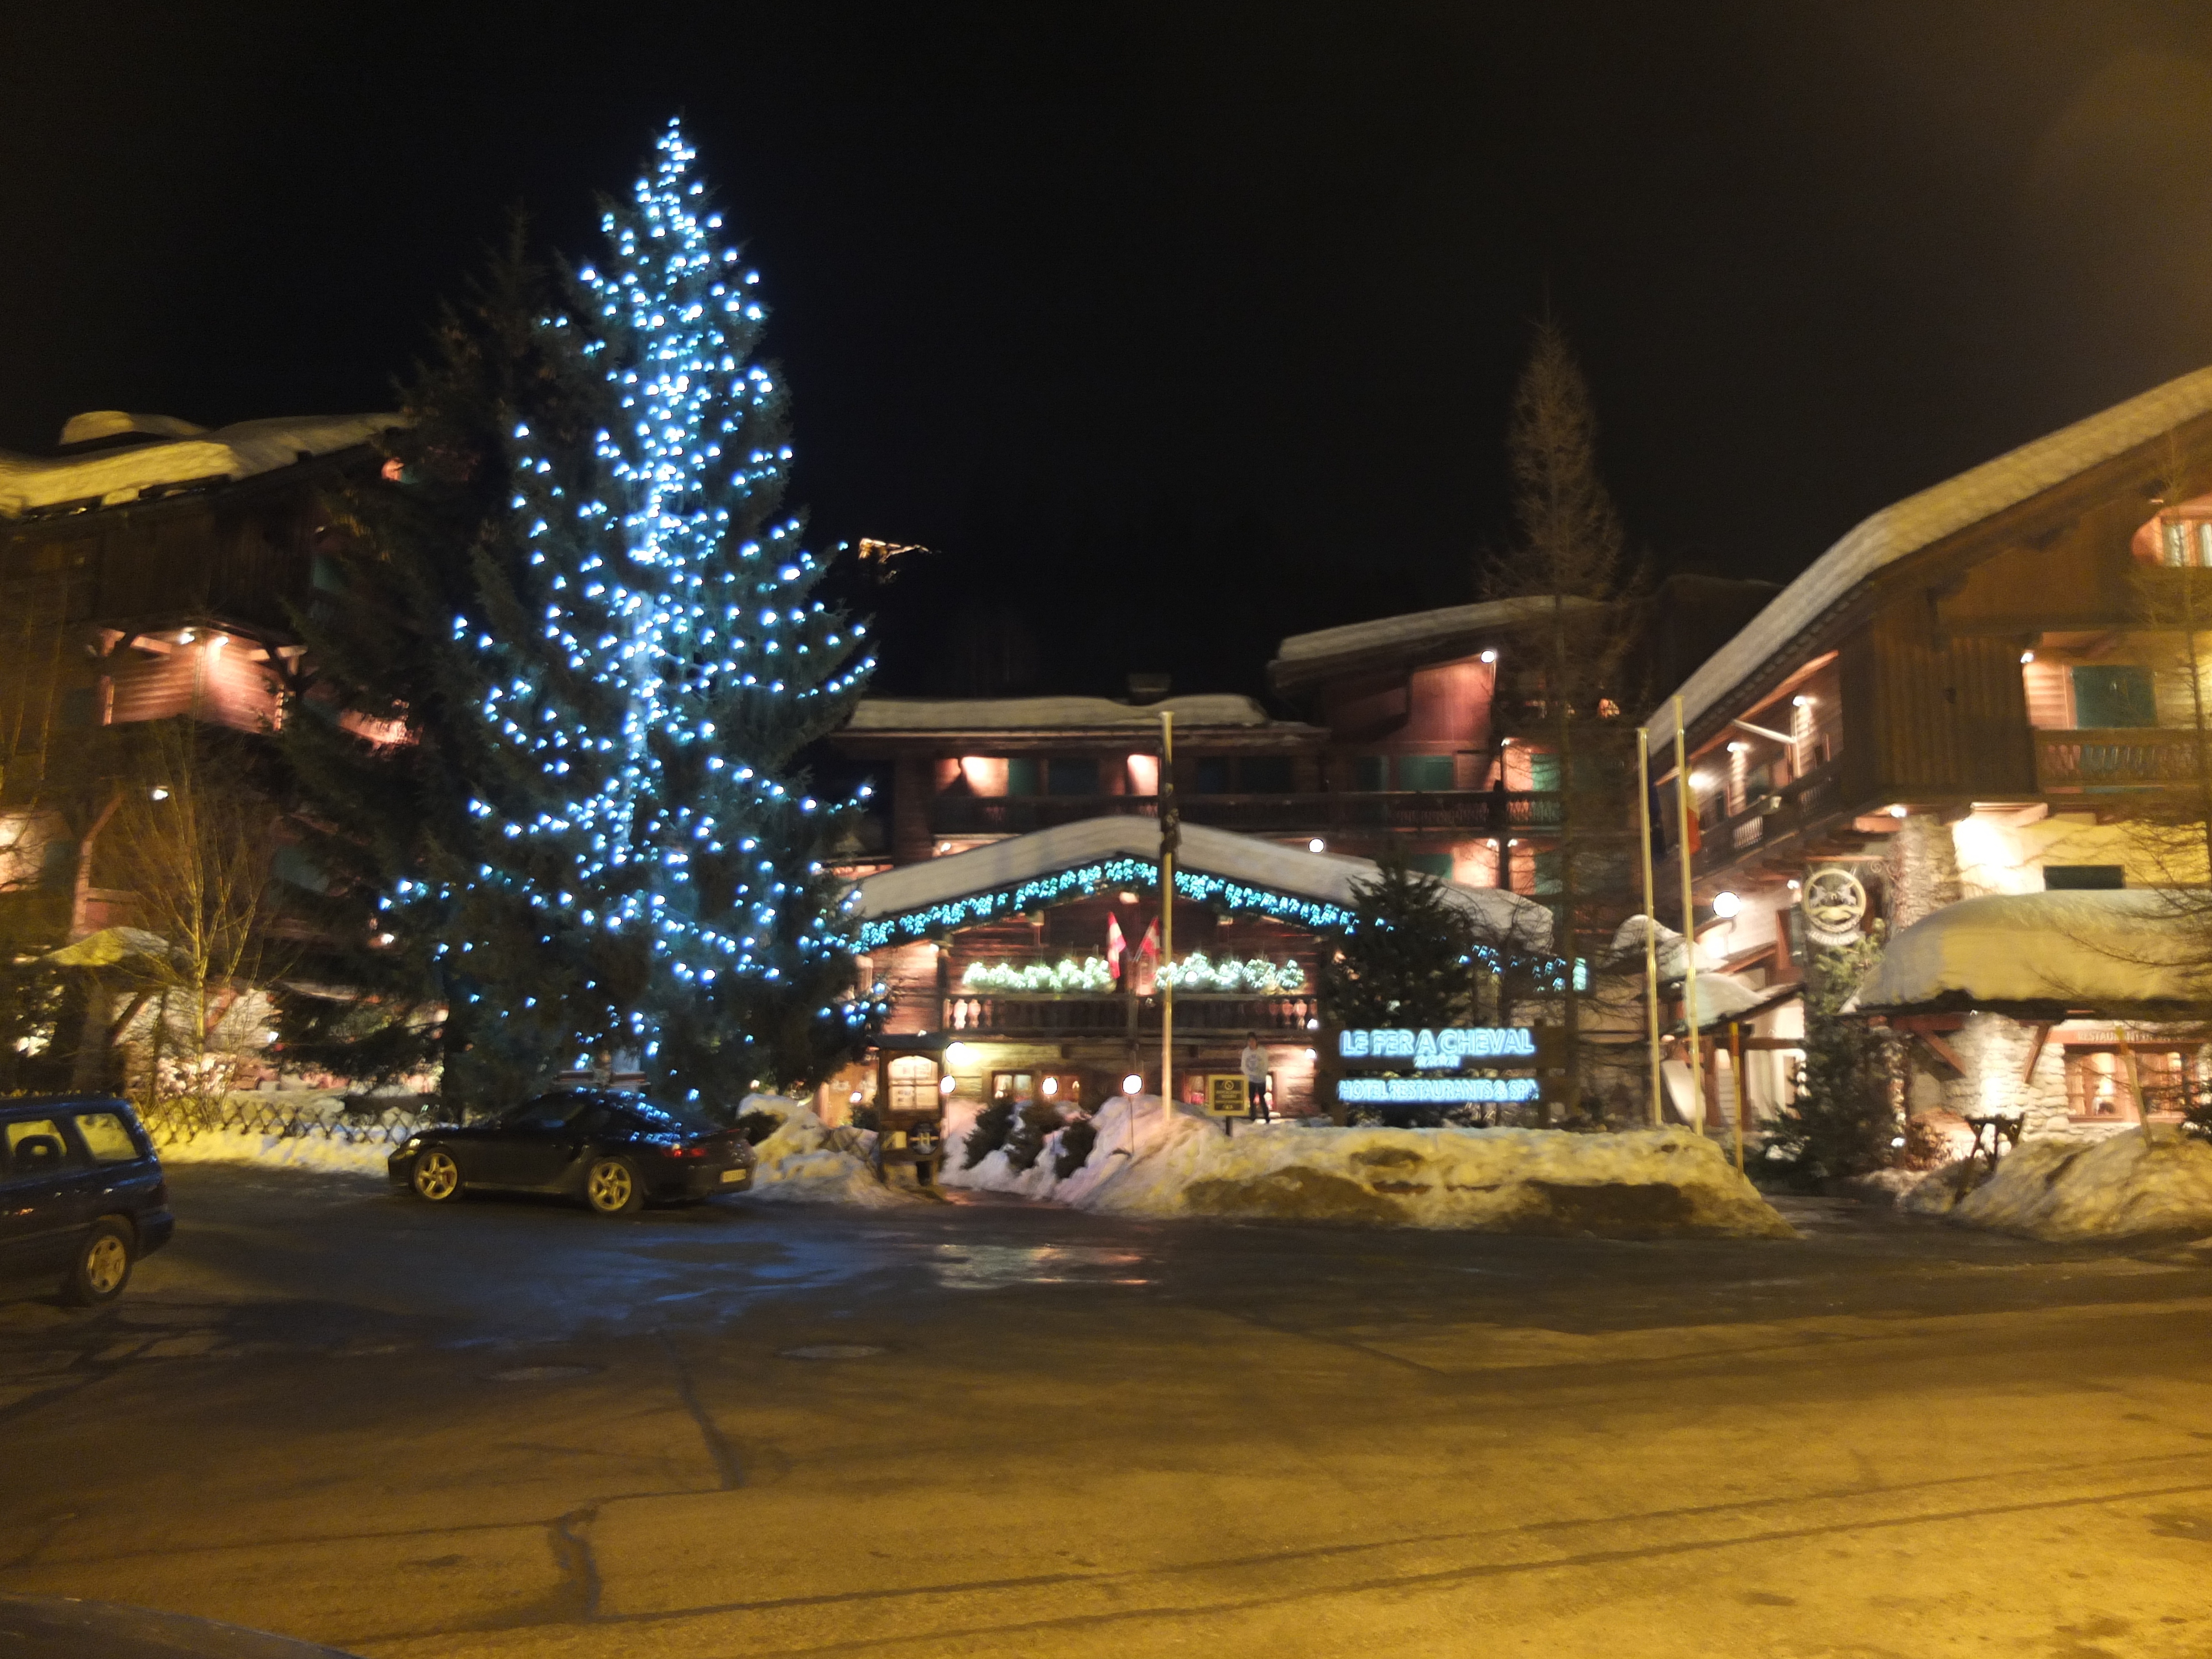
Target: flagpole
[
  {"x": 1170, "y": 837},
  {"x": 1682, "y": 809},
  {"x": 1650, "y": 918}
]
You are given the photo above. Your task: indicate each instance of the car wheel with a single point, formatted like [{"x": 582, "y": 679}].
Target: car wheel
[
  {"x": 103, "y": 1265},
  {"x": 612, "y": 1187},
  {"x": 436, "y": 1176}
]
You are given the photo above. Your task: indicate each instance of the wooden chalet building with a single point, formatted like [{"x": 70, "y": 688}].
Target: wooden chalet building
[
  {"x": 145, "y": 568},
  {"x": 994, "y": 936},
  {"x": 1963, "y": 719}
]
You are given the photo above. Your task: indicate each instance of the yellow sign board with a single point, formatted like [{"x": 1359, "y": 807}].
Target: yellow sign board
[{"x": 1227, "y": 1094}]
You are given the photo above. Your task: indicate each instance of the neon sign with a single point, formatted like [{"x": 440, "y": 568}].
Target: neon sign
[
  {"x": 1434, "y": 1091},
  {"x": 1440, "y": 1050}
]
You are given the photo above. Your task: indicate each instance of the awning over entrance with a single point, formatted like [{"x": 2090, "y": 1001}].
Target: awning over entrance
[
  {"x": 2115, "y": 951},
  {"x": 1240, "y": 872}
]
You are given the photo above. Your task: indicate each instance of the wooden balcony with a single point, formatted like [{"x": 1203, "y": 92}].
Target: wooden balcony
[
  {"x": 1033, "y": 1014},
  {"x": 1471, "y": 812},
  {"x": 2127, "y": 758},
  {"x": 1789, "y": 812}
]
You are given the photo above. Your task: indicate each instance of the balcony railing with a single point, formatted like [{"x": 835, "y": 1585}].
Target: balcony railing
[
  {"x": 1475, "y": 811},
  {"x": 1032, "y": 1014},
  {"x": 1769, "y": 818},
  {"x": 2115, "y": 758}
]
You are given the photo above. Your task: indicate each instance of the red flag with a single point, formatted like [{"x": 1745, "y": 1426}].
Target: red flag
[
  {"x": 1116, "y": 945},
  {"x": 1149, "y": 945}
]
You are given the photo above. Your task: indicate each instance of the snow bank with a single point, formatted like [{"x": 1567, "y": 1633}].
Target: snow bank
[
  {"x": 1519, "y": 1181},
  {"x": 806, "y": 1162},
  {"x": 309, "y": 1151},
  {"x": 2118, "y": 1188}
]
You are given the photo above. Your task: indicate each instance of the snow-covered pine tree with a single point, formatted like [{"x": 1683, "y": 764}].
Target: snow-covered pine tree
[{"x": 684, "y": 595}]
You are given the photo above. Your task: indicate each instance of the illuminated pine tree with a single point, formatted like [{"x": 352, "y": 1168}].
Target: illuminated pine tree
[{"x": 661, "y": 662}]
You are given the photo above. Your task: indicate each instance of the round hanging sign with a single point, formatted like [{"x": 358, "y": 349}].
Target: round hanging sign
[{"x": 1835, "y": 905}]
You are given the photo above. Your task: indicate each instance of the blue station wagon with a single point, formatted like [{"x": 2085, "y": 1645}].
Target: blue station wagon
[{"x": 81, "y": 1195}]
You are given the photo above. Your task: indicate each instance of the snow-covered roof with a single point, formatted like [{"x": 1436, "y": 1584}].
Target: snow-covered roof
[
  {"x": 1209, "y": 858},
  {"x": 1046, "y": 713},
  {"x": 1919, "y": 522},
  {"x": 1302, "y": 656},
  {"x": 2093, "y": 950},
  {"x": 111, "y": 477}
]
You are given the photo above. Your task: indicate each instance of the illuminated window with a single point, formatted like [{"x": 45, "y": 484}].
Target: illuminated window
[{"x": 2097, "y": 1082}]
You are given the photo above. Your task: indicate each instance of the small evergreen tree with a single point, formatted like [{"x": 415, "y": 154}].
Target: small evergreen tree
[
  {"x": 1842, "y": 1122},
  {"x": 1407, "y": 960}
]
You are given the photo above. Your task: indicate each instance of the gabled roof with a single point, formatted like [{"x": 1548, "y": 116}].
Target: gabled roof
[
  {"x": 1047, "y": 714},
  {"x": 1006, "y": 878},
  {"x": 1919, "y": 522},
  {"x": 1401, "y": 641},
  {"x": 111, "y": 477}
]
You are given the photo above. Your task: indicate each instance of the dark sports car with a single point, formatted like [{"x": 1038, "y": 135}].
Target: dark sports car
[{"x": 614, "y": 1150}]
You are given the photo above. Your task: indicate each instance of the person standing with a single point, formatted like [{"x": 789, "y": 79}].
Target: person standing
[{"x": 1253, "y": 1062}]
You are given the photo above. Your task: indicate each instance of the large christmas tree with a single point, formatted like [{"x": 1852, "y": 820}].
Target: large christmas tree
[{"x": 642, "y": 657}]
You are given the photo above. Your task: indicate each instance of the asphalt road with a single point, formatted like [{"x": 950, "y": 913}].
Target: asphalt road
[{"x": 512, "y": 1429}]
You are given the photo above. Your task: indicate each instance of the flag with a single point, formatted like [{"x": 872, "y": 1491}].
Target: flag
[
  {"x": 1115, "y": 947},
  {"x": 1149, "y": 945}
]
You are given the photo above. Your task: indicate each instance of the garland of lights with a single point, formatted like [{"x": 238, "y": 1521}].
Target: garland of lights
[
  {"x": 1238, "y": 897},
  {"x": 1195, "y": 972}
]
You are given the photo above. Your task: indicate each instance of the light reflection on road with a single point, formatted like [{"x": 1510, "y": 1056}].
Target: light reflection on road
[{"x": 995, "y": 1267}]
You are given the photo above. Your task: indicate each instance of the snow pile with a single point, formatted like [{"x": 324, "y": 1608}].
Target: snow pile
[
  {"x": 270, "y": 1151},
  {"x": 1648, "y": 1183},
  {"x": 807, "y": 1162},
  {"x": 2118, "y": 1188},
  {"x": 2085, "y": 948}
]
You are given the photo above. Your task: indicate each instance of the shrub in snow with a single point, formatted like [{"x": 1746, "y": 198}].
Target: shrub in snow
[
  {"x": 1073, "y": 1150},
  {"x": 992, "y": 1125},
  {"x": 1142, "y": 1159},
  {"x": 1034, "y": 1121}
]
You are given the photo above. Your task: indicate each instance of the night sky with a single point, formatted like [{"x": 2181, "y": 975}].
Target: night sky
[{"x": 1176, "y": 328}]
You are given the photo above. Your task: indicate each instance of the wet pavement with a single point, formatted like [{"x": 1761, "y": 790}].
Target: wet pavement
[{"x": 985, "y": 1426}]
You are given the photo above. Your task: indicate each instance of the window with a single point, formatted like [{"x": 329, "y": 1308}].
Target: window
[
  {"x": 1425, "y": 772},
  {"x": 2083, "y": 878},
  {"x": 2111, "y": 696},
  {"x": 1212, "y": 775},
  {"x": 2097, "y": 1082},
  {"x": 1370, "y": 772},
  {"x": 1438, "y": 865},
  {"x": 1022, "y": 776},
  {"x": 1071, "y": 777},
  {"x": 1544, "y": 772},
  {"x": 57, "y": 863},
  {"x": 1265, "y": 775},
  {"x": 107, "y": 1138},
  {"x": 36, "y": 1143},
  {"x": 546, "y": 1112},
  {"x": 2188, "y": 541},
  {"x": 1051, "y": 1088},
  {"x": 78, "y": 708},
  {"x": 914, "y": 1084},
  {"x": 1547, "y": 873}
]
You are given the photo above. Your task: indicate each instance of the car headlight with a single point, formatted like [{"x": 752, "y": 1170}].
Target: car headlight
[{"x": 412, "y": 1143}]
